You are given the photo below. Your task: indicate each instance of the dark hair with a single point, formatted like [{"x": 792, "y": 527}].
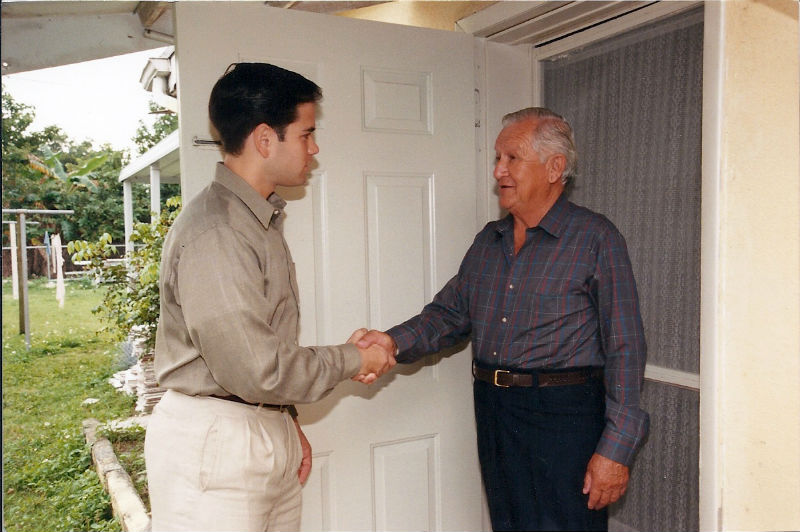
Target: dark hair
[{"x": 249, "y": 94}]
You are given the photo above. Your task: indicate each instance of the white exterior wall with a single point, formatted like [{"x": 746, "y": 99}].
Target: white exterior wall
[{"x": 750, "y": 367}]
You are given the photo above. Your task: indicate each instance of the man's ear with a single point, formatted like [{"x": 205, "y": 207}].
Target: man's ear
[
  {"x": 555, "y": 167},
  {"x": 263, "y": 137}
]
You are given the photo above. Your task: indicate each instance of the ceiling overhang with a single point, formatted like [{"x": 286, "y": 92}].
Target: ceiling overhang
[
  {"x": 43, "y": 34},
  {"x": 46, "y": 34},
  {"x": 533, "y": 23}
]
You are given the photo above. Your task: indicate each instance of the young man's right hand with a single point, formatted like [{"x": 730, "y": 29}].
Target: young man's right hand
[{"x": 377, "y": 354}]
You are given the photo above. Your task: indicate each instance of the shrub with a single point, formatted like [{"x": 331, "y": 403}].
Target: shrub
[{"x": 131, "y": 300}]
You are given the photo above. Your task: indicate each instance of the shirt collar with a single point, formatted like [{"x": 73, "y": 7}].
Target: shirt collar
[
  {"x": 553, "y": 222},
  {"x": 556, "y": 218},
  {"x": 269, "y": 211}
]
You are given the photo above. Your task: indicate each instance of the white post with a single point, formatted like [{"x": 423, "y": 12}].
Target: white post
[
  {"x": 22, "y": 257},
  {"x": 127, "y": 210},
  {"x": 12, "y": 233},
  {"x": 155, "y": 189}
]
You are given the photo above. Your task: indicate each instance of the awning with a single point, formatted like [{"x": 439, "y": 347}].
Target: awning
[{"x": 165, "y": 154}]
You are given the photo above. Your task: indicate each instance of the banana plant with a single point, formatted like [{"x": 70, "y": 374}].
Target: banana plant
[{"x": 50, "y": 166}]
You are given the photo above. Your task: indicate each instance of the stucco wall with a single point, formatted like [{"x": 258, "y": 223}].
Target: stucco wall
[{"x": 750, "y": 459}]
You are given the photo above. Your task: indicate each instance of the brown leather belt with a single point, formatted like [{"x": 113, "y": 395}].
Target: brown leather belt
[
  {"x": 506, "y": 379},
  {"x": 236, "y": 399}
]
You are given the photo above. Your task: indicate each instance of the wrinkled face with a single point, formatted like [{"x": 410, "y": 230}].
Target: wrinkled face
[
  {"x": 292, "y": 156},
  {"x": 521, "y": 176}
]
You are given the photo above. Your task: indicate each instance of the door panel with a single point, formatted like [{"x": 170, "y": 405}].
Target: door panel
[{"x": 387, "y": 216}]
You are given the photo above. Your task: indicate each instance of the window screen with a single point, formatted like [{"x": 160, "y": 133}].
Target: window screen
[{"x": 634, "y": 102}]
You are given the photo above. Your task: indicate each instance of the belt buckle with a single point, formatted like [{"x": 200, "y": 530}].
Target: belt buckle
[{"x": 496, "y": 372}]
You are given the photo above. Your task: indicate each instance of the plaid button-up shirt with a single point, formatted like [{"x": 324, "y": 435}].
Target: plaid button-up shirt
[{"x": 566, "y": 299}]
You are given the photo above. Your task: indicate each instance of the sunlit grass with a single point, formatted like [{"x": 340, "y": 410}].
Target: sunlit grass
[{"x": 46, "y": 476}]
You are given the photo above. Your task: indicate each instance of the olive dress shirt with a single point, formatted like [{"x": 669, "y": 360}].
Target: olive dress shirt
[{"x": 229, "y": 306}]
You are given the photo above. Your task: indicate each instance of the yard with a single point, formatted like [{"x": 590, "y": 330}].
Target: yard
[{"x": 48, "y": 482}]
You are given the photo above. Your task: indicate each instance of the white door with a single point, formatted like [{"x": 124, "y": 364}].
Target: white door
[{"x": 384, "y": 223}]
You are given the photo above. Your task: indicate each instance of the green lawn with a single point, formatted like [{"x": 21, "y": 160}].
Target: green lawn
[{"x": 48, "y": 483}]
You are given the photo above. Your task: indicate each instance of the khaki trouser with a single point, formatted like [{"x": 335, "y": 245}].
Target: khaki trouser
[{"x": 215, "y": 465}]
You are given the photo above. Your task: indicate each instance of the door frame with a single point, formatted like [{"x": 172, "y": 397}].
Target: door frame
[{"x": 583, "y": 32}]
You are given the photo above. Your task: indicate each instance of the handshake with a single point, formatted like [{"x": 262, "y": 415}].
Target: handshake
[{"x": 377, "y": 354}]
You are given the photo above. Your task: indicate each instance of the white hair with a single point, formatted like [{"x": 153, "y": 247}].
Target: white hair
[{"x": 552, "y": 135}]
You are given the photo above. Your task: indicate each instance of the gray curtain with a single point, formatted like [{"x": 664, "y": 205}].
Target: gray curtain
[{"x": 634, "y": 102}]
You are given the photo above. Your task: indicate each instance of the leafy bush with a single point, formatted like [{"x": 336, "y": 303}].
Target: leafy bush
[{"x": 131, "y": 301}]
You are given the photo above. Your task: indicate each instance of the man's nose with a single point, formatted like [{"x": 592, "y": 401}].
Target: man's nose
[
  {"x": 499, "y": 169},
  {"x": 313, "y": 148}
]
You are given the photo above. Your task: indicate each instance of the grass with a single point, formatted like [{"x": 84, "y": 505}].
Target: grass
[{"x": 47, "y": 479}]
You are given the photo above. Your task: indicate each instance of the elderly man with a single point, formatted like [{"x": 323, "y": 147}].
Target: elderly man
[{"x": 548, "y": 298}]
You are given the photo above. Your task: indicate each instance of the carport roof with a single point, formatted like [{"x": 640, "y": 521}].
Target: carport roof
[{"x": 165, "y": 154}]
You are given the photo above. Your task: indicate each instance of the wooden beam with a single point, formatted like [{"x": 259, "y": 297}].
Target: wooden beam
[{"x": 150, "y": 12}]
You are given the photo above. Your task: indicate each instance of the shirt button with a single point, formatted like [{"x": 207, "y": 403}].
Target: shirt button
[
  {"x": 511, "y": 286},
  {"x": 495, "y": 353},
  {"x": 504, "y": 320},
  {"x": 276, "y": 213}
]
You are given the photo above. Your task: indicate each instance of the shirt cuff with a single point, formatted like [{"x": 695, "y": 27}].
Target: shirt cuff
[
  {"x": 404, "y": 340},
  {"x": 351, "y": 361},
  {"x": 617, "y": 447}
]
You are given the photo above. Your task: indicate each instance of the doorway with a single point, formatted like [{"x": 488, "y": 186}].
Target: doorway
[{"x": 634, "y": 99}]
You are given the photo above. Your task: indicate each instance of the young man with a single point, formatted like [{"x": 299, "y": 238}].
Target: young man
[{"x": 223, "y": 451}]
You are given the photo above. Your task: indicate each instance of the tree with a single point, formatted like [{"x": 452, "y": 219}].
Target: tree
[
  {"x": 147, "y": 137},
  {"x": 22, "y": 185},
  {"x": 131, "y": 300},
  {"x": 82, "y": 176},
  {"x": 46, "y": 170}
]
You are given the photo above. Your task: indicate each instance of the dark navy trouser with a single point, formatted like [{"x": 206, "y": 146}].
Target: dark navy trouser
[{"x": 534, "y": 445}]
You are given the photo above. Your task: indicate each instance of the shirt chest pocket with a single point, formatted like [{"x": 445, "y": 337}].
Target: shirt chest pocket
[
  {"x": 552, "y": 319},
  {"x": 549, "y": 309},
  {"x": 280, "y": 277},
  {"x": 555, "y": 295}
]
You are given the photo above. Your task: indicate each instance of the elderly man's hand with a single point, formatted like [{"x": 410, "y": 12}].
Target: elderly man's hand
[
  {"x": 367, "y": 339},
  {"x": 376, "y": 357},
  {"x": 605, "y": 481}
]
